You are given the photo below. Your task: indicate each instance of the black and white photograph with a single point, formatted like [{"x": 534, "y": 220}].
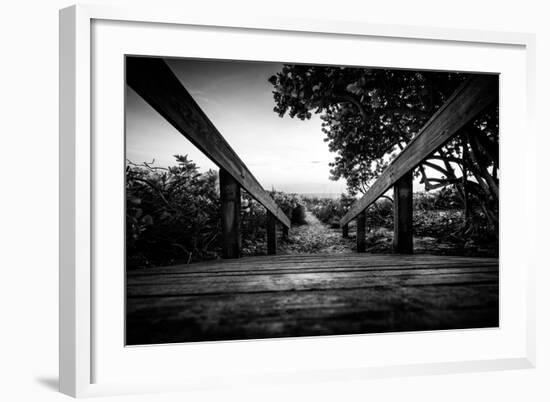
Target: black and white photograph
[
  {"x": 276, "y": 200},
  {"x": 284, "y": 201}
]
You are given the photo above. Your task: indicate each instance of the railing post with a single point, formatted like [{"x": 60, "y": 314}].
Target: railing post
[
  {"x": 345, "y": 231},
  {"x": 285, "y": 232},
  {"x": 271, "y": 234},
  {"x": 230, "y": 196},
  {"x": 403, "y": 215},
  {"x": 360, "y": 235}
]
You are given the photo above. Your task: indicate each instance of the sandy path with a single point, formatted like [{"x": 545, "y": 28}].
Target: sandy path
[{"x": 314, "y": 237}]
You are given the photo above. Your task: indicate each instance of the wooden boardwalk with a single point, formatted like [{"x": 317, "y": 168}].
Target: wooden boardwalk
[{"x": 305, "y": 295}]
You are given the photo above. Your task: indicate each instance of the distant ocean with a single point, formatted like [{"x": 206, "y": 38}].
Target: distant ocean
[{"x": 321, "y": 195}]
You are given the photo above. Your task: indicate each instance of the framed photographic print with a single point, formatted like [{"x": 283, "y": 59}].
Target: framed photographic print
[{"x": 284, "y": 200}]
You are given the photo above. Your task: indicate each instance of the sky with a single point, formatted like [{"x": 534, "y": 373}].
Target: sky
[{"x": 283, "y": 153}]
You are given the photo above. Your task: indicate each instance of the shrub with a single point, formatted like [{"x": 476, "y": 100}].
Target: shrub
[
  {"x": 380, "y": 214},
  {"x": 329, "y": 210},
  {"x": 292, "y": 205},
  {"x": 446, "y": 198},
  {"x": 172, "y": 214},
  {"x": 254, "y": 216},
  {"x": 253, "y": 226}
]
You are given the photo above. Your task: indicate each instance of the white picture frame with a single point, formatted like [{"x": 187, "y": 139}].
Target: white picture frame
[{"x": 81, "y": 343}]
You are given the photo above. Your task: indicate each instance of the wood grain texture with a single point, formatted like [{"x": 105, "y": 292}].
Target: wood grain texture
[
  {"x": 403, "y": 215},
  {"x": 360, "y": 234},
  {"x": 304, "y": 295},
  {"x": 345, "y": 231},
  {"x": 285, "y": 233},
  {"x": 230, "y": 205},
  {"x": 470, "y": 99},
  {"x": 154, "y": 81},
  {"x": 271, "y": 224}
]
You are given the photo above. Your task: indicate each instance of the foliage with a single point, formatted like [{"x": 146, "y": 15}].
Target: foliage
[
  {"x": 292, "y": 205},
  {"x": 172, "y": 214},
  {"x": 254, "y": 216},
  {"x": 329, "y": 210},
  {"x": 326, "y": 210},
  {"x": 446, "y": 198},
  {"x": 439, "y": 232},
  {"x": 253, "y": 226},
  {"x": 380, "y": 214},
  {"x": 438, "y": 223},
  {"x": 370, "y": 114}
]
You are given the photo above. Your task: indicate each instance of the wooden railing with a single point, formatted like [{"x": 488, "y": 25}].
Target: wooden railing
[
  {"x": 467, "y": 102},
  {"x": 155, "y": 82}
]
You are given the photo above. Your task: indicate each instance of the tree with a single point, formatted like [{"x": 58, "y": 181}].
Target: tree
[{"x": 368, "y": 115}]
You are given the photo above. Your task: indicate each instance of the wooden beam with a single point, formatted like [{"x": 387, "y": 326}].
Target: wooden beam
[
  {"x": 230, "y": 197},
  {"x": 155, "y": 82},
  {"x": 345, "y": 231},
  {"x": 468, "y": 101},
  {"x": 403, "y": 215},
  {"x": 361, "y": 232},
  {"x": 271, "y": 234}
]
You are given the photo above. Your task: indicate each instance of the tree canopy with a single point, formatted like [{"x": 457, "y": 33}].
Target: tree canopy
[{"x": 370, "y": 114}]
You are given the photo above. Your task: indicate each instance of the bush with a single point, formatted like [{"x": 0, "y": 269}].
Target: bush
[
  {"x": 380, "y": 214},
  {"x": 253, "y": 226},
  {"x": 446, "y": 198},
  {"x": 292, "y": 205},
  {"x": 330, "y": 210},
  {"x": 172, "y": 214}
]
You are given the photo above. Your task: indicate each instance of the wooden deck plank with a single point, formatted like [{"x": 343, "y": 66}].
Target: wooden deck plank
[
  {"x": 254, "y": 264},
  {"x": 343, "y": 265},
  {"x": 226, "y": 317},
  {"x": 310, "y": 295},
  {"x": 397, "y": 270},
  {"x": 302, "y": 282}
]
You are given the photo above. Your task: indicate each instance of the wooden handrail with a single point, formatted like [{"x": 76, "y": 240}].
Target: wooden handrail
[
  {"x": 470, "y": 99},
  {"x": 155, "y": 82}
]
